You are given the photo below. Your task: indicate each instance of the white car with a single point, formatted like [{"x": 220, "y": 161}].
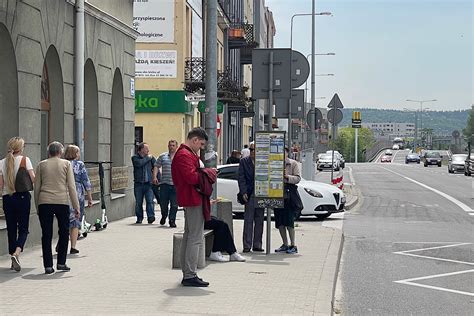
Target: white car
[
  {"x": 328, "y": 162},
  {"x": 395, "y": 147},
  {"x": 319, "y": 199}
]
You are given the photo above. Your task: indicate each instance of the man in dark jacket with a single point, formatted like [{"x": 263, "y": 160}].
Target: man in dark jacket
[
  {"x": 184, "y": 171},
  {"x": 142, "y": 178},
  {"x": 253, "y": 217}
]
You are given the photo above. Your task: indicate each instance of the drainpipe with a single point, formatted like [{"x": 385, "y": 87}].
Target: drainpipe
[{"x": 79, "y": 76}]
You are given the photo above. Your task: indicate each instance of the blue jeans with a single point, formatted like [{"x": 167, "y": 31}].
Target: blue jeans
[
  {"x": 167, "y": 197},
  {"x": 143, "y": 190}
]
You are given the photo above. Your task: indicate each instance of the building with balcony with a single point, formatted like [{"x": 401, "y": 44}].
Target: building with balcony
[{"x": 37, "y": 85}]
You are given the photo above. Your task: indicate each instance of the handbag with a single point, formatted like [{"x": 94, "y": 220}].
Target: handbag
[
  {"x": 23, "y": 181},
  {"x": 293, "y": 198}
]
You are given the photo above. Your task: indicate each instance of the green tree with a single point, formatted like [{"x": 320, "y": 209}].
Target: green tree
[
  {"x": 469, "y": 130},
  {"x": 345, "y": 143}
]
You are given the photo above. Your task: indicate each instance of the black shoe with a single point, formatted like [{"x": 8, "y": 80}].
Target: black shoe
[
  {"x": 48, "y": 270},
  {"x": 63, "y": 267},
  {"x": 172, "y": 224},
  {"x": 162, "y": 220},
  {"x": 138, "y": 221},
  {"x": 151, "y": 220},
  {"x": 74, "y": 251},
  {"x": 246, "y": 250},
  {"x": 258, "y": 250},
  {"x": 196, "y": 282}
]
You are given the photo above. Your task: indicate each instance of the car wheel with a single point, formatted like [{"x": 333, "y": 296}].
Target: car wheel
[
  {"x": 239, "y": 215},
  {"x": 418, "y": 162},
  {"x": 322, "y": 216},
  {"x": 426, "y": 165},
  {"x": 439, "y": 165}
]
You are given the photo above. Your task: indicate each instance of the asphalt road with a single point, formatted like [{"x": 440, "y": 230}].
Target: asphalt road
[{"x": 409, "y": 244}]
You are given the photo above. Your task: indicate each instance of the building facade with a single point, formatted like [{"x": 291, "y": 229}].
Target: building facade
[
  {"x": 391, "y": 129},
  {"x": 37, "y": 86}
]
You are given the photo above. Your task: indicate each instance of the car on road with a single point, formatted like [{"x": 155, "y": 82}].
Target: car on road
[
  {"x": 412, "y": 157},
  {"x": 386, "y": 158},
  {"x": 469, "y": 165},
  {"x": 432, "y": 158},
  {"x": 319, "y": 199},
  {"x": 456, "y": 163},
  {"x": 342, "y": 161},
  {"x": 388, "y": 152},
  {"x": 326, "y": 162},
  {"x": 395, "y": 147}
]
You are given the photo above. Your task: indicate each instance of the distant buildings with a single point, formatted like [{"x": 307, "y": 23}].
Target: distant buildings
[{"x": 391, "y": 129}]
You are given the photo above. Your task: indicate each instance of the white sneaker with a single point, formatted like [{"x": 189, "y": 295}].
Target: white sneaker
[
  {"x": 237, "y": 257},
  {"x": 217, "y": 256}
]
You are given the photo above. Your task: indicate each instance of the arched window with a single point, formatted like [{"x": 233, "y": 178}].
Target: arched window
[{"x": 91, "y": 113}]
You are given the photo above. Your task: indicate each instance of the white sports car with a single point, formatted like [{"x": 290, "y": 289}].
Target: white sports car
[{"x": 319, "y": 199}]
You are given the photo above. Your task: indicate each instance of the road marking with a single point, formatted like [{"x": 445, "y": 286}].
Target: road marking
[
  {"x": 438, "y": 247},
  {"x": 409, "y": 253},
  {"x": 410, "y": 282},
  {"x": 427, "y": 242},
  {"x": 463, "y": 206}
]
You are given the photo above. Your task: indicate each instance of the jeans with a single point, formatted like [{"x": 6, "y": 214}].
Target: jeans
[
  {"x": 46, "y": 214},
  {"x": 167, "y": 197},
  {"x": 156, "y": 192},
  {"x": 143, "y": 190},
  {"x": 17, "y": 216}
]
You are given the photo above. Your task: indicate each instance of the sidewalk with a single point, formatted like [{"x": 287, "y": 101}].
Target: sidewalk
[{"x": 127, "y": 269}]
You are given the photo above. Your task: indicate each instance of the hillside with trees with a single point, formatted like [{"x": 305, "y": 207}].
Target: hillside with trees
[{"x": 442, "y": 122}]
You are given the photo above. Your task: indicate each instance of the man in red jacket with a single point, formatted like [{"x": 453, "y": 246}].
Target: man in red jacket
[{"x": 184, "y": 171}]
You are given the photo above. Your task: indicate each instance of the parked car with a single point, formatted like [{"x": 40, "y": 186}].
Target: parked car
[
  {"x": 342, "y": 161},
  {"x": 432, "y": 158},
  {"x": 412, "y": 158},
  {"x": 469, "y": 165},
  {"x": 326, "y": 162},
  {"x": 319, "y": 199},
  {"x": 386, "y": 158},
  {"x": 456, "y": 163}
]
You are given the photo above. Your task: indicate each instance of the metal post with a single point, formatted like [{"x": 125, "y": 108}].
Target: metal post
[
  {"x": 415, "y": 142},
  {"x": 333, "y": 140},
  {"x": 313, "y": 85},
  {"x": 356, "y": 143},
  {"x": 269, "y": 128},
  {"x": 79, "y": 75},
  {"x": 211, "y": 89}
]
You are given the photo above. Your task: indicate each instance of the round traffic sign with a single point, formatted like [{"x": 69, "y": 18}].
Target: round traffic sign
[{"x": 335, "y": 116}]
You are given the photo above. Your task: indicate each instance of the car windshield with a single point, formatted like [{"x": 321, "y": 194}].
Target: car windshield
[
  {"x": 413, "y": 156},
  {"x": 459, "y": 158},
  {"x": 433, "y": 155},
  {"x": 327, "y": 157}
]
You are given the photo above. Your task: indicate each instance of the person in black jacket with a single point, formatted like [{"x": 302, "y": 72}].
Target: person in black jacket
[
  {"x": 143, "y": 165},
  {"x": 253, "y": 217}
]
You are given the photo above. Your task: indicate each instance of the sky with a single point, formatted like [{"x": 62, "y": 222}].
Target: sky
[{"x": 387, "y": 51}]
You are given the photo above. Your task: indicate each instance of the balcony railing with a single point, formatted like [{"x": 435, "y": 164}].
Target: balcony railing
[
  {"x": 241, "y": 35},
  {"x": 195, "y": 74}
]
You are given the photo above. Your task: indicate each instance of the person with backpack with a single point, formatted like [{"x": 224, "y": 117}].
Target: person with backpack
[{"x": 16, "y": 180}]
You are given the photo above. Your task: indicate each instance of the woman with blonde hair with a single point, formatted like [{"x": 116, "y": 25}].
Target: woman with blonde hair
[
  {"x": 16, "y": 180},
  {"x": 83, "y": 187}
]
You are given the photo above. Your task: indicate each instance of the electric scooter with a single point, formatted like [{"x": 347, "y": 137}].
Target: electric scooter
[
  {"x": 85, "y": 227},
  {"x": 101, "y": 223}
]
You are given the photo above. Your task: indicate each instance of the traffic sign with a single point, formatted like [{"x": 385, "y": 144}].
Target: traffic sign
[
  {"x": 261, "y": 72},
  {"x": 315, "y": 115},
  {"x": 195, "y": 97},
  {"x": 335, "y": 116},
  {"x": 297, "y": 105},
  {"x": 356, "y": 119},
  {"x": 335, "y": 102},
  {"x": 299, "y": 69}
]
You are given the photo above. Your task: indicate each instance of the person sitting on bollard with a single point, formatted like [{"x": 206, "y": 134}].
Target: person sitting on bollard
[{"x": 223, "y": 241}]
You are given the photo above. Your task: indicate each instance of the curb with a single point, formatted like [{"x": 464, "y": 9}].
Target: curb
[{"x": 336, "y": 274}]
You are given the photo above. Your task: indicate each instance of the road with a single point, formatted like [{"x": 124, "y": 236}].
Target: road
[{"x": 409, "y": 243}]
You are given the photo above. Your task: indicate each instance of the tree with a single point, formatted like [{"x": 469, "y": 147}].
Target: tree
[
  {"x": 345, "y": 143},
  {"x": 469, "y": 130}
]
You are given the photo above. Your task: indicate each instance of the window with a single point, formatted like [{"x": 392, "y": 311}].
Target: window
[{"x": 231, "y": 173}]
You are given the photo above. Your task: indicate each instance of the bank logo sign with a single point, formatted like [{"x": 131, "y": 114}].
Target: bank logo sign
[
  {"x": 159, "y": 101},
  {"x": 156, "y": 63},
  {"x": 154, "y": 20}
]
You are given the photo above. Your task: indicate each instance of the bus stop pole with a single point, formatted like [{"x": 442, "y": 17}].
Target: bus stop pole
[{"x": 269, "y": 128}]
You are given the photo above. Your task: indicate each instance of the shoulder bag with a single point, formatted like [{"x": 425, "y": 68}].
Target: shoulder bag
[{"x": 23, "y": 181}]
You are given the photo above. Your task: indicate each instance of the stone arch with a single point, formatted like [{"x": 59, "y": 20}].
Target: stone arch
[
  {"x": 52, "y": 100},
  {"x": 9, "y": 117},
  {"x": 91, "y": 113},
  {"x": 117, "y": 124}
]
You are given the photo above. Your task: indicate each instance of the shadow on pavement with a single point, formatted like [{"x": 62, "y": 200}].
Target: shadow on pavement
[
  {"x": 6, "y": 274},
  {"x": 187, "y": 291},
  {"x": 42, "y": 276}
]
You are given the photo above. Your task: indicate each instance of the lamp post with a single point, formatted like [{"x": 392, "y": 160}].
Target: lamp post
[{"x": 421, "y": 109}]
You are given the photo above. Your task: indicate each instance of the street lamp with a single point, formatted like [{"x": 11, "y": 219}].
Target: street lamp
[{"x": 421, "y": 109}]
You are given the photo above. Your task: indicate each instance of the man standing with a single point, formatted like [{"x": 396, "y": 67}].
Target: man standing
[
  {"x": 185, "y": 174},
  {"x": 253, "y": 217},
  {"x": 142, "y": 177},
  {"x": 245, "y": 152},
  {"x": 167, "y": 189},
  {"x": 285, "y": 218}
]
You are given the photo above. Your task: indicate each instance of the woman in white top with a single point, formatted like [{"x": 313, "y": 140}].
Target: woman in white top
[{"x": 16, "y": 205}]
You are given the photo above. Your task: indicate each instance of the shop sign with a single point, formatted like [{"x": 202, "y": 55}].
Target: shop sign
[
  {"x": 160, "y": 101},
  {"x": 156, "y": 63},
  {"x": 154, "y": 20}
]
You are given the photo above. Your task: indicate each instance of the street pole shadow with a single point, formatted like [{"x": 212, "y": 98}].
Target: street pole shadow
[{"x": 187, "y": 291}]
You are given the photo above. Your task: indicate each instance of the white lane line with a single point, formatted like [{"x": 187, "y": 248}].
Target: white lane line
[
  {"x": 438, "y": 247},
  {"x": 427, "y": 242},
  {"x": 410, "y": 282},
  {"x": 463, "y": 206},
  {"x": 437, "y": 259}
]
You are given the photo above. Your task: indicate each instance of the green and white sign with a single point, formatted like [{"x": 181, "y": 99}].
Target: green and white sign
[
  {"x": 202, "y": 107},
  {"x": 159, "y": 101}
]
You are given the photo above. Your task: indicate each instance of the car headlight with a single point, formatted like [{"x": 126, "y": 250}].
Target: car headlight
[{"x": 313, "y": 193}]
